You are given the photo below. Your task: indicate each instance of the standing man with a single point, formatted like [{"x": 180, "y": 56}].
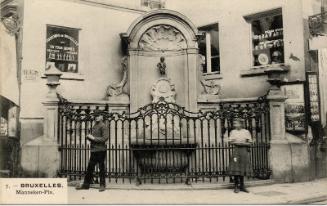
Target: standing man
[{"x": 98, "y": 138}]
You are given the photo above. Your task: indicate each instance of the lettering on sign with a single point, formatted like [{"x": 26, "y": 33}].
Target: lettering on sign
[
  {"x": 62, "y": 48},
  {"x": 314, "y": 97},
  {"x": 30, "y": 74}
]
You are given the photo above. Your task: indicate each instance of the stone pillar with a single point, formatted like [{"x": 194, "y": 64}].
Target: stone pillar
[
  {"x": 288, "y": 154},
  {"x": 40, "y": 157},
  {"x": 133, "y": 80},
  {"x": 49, "y": 150},
  {"x": 279, "y": 155},
  {"x": 277, "y": 114},
  {"x": 192, "y": 81}
]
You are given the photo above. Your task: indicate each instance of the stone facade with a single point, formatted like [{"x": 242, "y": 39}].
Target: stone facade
[{"x": 141, "y": 39}]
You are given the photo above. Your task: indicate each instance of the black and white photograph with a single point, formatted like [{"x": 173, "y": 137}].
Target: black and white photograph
[{"x": 217, "y": 102}]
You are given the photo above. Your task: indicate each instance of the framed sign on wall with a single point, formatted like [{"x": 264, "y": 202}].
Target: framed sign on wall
[
  {"x": 314, "y": 98},
  {"x": 295, "y": 120},
  {"x": 62, "y": 48}
]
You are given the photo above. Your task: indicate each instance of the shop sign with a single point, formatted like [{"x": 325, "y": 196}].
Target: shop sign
[
  {"x": 62, "y": 48},
  {"x": 294, "y": 107},
  {"x": 313, "y": 97},
  {"x": 3, "y": 126},
  {"x": 30, "y": 74}
]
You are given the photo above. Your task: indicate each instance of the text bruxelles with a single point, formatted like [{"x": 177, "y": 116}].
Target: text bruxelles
[{"x": 40, "y": 185}]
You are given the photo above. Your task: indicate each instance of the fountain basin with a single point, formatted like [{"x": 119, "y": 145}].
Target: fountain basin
[{"x": 163, "y": 156}]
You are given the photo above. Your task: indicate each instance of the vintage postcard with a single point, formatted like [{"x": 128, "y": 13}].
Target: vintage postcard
[{"x": 163, "y": 102}]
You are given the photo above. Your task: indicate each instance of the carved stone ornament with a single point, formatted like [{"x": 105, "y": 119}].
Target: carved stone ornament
[
  {"x": 211, "y": 87},
  {"x": 116, "y": 89},
  {"x": 162, "y": 37},
  {"x": 163, "y": 88},
  {"x": 11, "y": 24}
]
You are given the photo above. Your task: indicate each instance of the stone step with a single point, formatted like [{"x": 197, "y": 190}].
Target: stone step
[{"x": 177, "y": 186}]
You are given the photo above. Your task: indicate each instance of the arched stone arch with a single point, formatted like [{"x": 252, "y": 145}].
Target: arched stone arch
[
  {"x": 171, "y": 35},
  {"x": 162, "y": 37},
  {"x": 164, "y": 17}
]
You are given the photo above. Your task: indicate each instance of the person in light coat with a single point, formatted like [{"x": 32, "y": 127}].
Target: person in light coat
[{"x": 239, "y": 164}]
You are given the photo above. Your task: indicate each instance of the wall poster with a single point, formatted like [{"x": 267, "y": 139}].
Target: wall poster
[
  {"x": 312, "y": 78},
  {"x": 62, "y": 48},
  {"x": 294, "y": 107}
]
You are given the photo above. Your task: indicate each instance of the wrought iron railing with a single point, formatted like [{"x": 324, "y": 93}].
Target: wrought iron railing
[{"x": 163, "y": 142}]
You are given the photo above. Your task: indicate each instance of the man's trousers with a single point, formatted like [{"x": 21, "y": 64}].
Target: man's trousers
[{"x": 96, "y": 158}]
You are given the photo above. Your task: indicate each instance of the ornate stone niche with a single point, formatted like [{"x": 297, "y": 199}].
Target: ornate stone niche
[{"x": 162, "y": 34}]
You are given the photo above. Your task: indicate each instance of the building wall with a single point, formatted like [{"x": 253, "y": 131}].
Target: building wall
[
  {"x": 99, "y": 54},
  {"x": 235, "y": 39},
  {"x": 100, "y": 47}
]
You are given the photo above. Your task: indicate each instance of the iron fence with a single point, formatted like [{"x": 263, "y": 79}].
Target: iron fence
[{"x": 162, "y": 142}]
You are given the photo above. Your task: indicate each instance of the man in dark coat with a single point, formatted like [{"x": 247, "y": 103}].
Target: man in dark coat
[{"x": 98, "y": 138}]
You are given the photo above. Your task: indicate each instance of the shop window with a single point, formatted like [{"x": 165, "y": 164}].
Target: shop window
[
  {"x": 267, "y": 38},
  {"x": 3, "y": 127},
  {"x": 209, "y": 48},
  {"x": 62, "y": 48}
]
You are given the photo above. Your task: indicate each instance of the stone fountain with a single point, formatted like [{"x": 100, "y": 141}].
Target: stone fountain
[
  {"x": 162, "y": 49},
  {"x": 163, "y": 145}
]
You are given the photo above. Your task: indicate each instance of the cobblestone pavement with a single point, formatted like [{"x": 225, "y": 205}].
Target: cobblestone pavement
[{"x": 290, "y": 193}]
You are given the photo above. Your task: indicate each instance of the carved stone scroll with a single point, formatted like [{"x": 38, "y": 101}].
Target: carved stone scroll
[
  {"x": 211, "y": 87},
  {"x": 11, "y": 24},
  {"x": 115, "y": 90}
]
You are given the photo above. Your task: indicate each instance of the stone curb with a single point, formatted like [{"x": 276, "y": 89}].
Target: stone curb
[
  {"x": 309, "y": 200},
  {"x": 195, "y": 186}
]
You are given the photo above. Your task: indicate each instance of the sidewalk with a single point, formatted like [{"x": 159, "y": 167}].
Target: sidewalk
[{"x": 290, "y": 193}]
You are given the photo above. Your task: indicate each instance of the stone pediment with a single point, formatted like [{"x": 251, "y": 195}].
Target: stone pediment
[{"x": 162, "y": 38}]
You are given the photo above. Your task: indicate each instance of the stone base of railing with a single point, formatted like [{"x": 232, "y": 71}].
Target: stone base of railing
[{"x": 40, "y": 158}]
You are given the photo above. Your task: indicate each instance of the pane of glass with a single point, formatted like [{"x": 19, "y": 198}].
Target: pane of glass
[
  {"x": 62, "y": 48},
  {"x": 215, "y": 64},
  {"x": 214, "y": 41},
  {"x": 267, "y": 39},
  {"x": 202, "y": 51}
]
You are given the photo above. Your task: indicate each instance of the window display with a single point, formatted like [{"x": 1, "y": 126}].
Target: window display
[
  {"x": 267, "y": 40},
  {"x": 294, "y": 107},
  {"x": 62, "y": 48}
]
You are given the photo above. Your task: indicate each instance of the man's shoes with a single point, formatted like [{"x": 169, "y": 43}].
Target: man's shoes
[
  {"x": 236, "y": 189},
  {"x": 243, "y": 189},
  {"x": 188, "y": 182},
  {"x": 102, "y": 188},
  {"x": 82, "y": 187},
  {"x": 138, "y": 182}
]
